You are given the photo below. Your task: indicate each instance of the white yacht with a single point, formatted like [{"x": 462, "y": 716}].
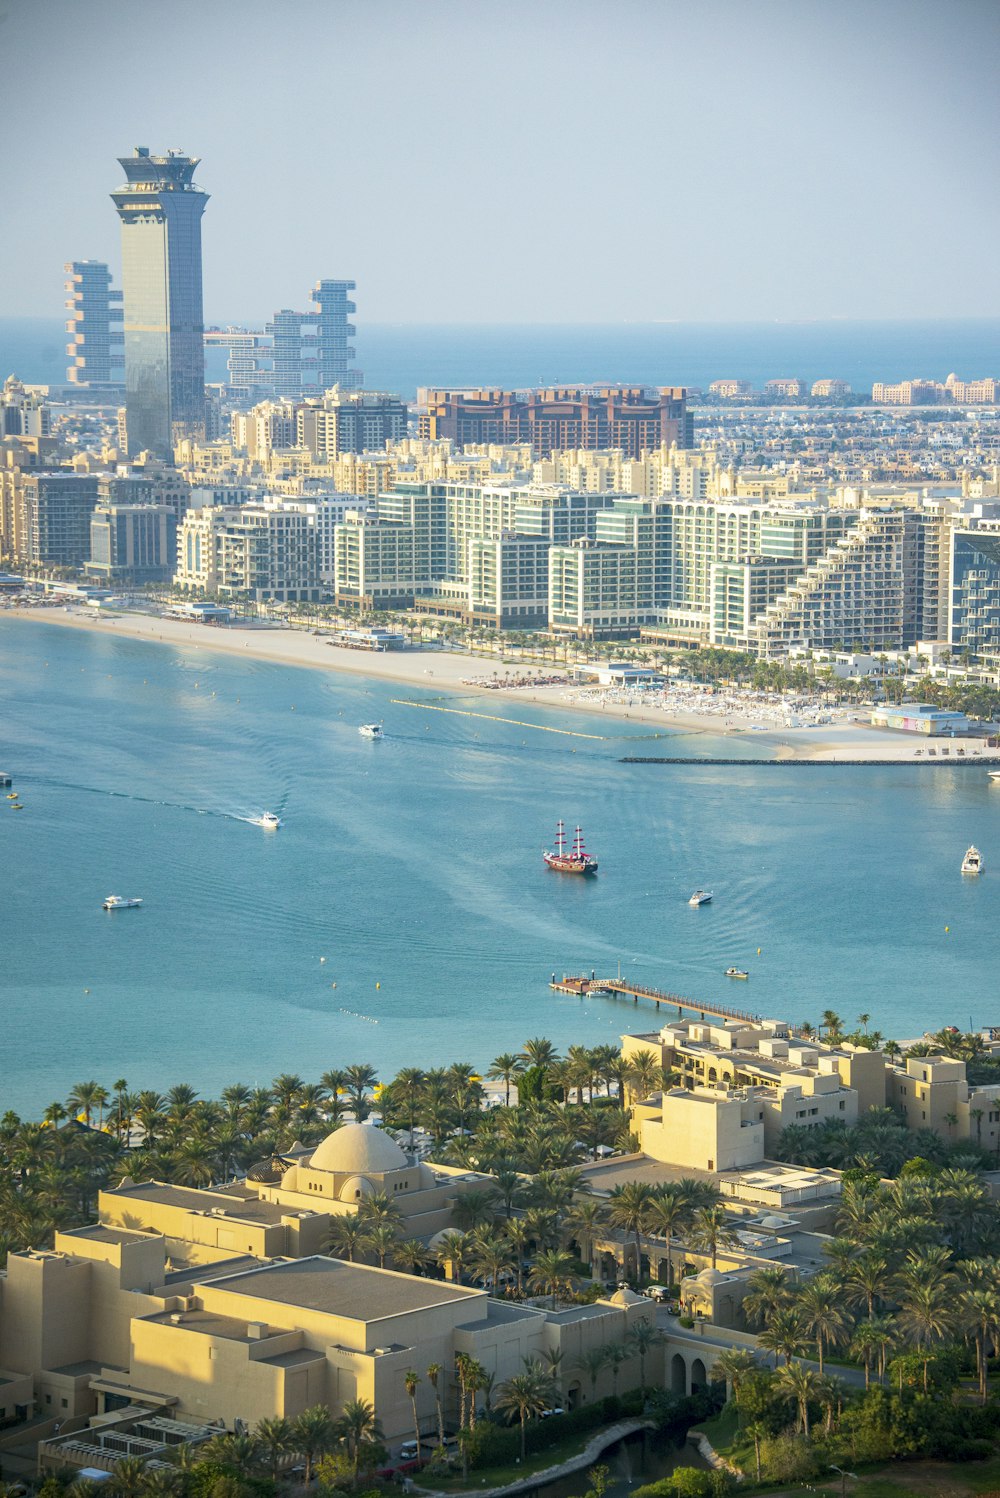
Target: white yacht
[
  {"x": 995, "y": 774},
  {"x": 118, "y": 902},
  {"x": 267, "y": 819},
  {"x": 700, "y": 897},
  {"x": 370, "y": 730},
  {"x": 972, "y": 863}
]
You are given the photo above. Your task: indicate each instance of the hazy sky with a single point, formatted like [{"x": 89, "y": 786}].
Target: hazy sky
[{"x": 532, "y": 160}]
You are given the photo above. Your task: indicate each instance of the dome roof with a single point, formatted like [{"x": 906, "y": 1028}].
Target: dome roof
[
  {"x": 358, "y": 1149},
  {"x": 623, "y": 1296},
  {"x": 772, "y": 1222},
  {"x": 709, "y": 1277},
  {"x": 356, "y": 1188}
]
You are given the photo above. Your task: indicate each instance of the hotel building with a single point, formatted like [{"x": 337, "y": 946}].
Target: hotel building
[{"x": 95, "y": 347}]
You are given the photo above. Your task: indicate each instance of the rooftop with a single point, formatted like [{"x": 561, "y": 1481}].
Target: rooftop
[{"x": 336, "y": 1288}]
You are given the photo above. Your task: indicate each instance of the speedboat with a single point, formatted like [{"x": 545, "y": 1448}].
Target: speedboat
[
  {"x": 700, "y": 897},
  {"x": 736, "y": 972},
  {"x": 268, "y": 820},
  {"x": 370, "y": 730},
  {"x": 118, "y": 902},
  {"x": 995, "y": 774},
  {"x": 972, "y": 863}
]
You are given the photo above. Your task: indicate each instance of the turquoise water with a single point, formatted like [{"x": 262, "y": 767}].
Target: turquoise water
[
  {"x": 403, "y": 356},
  {"x": 414, "y": 864}
]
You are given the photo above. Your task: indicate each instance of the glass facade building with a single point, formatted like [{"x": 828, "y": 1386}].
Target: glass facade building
[
  {"x": 160, "y": 210},
  {"x": 974, "y": 625}
]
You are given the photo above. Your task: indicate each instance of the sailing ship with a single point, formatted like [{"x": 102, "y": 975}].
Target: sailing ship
[{"x": 577, "y": 860}]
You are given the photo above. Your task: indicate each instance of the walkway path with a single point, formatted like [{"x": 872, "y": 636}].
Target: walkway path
[{"x": 579, "y": 1463}]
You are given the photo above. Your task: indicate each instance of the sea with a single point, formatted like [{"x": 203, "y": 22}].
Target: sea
[
  {"x": 403, "y": 357},
  {"x": 402, "y": 914}
]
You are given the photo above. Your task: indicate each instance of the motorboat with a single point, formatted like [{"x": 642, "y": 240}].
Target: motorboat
[
  {"x": 972, "y": 863},
  {"x": 736, "y": 972},
  {"x": 700, "y": 897},
  {"x": 995, "y": 774},
  {"x": 370, "y": 730},
  {"x": 118, "y": 902},
  {"x": 268, "y": 820}
]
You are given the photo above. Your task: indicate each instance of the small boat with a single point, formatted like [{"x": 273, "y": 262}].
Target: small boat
[
  {"x": 370, "y": 730},
  {"x": 268, "y": 820},
  {"x": 736, "y": 972},
  {"x": 972, "y": 863},
  {"x": 995, "y": 774},
  {"x": 118, "y": 902},
  {"x": 576, "y": 861},
  {"x": 700, "y": 897},
  {"x": 12, "y": 795}
]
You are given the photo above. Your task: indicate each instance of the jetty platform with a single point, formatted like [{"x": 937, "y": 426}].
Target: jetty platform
[
  {"x": 942, "y": 758},
  {"x": 583, "y": 987}
]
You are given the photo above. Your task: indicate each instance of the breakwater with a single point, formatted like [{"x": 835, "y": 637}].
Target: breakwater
[{"x": 977, "y": 761}]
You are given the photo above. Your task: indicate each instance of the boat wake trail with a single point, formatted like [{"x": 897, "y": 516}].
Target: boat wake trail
[{"x": 100, "y": 790}]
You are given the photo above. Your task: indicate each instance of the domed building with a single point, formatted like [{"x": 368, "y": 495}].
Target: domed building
[{"x": 356, "y": 1161}]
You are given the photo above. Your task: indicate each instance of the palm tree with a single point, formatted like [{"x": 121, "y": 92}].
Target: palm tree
[
  {"x": 275, "y": 1436},
  {"x": 592, "y": 1362},
  {"x": 735, "y": 1365},
  {"x": 801, "y": 1384},
  {"x": 359, "y": 1081},
  {"x": 473, "y": 1208},
  {"x": 669, "y": 1210},
  {"x": 552, "y": 1273},
  {"x": 540, "y": 1052},
  {"x": 629, "y": 1204},
  {"x": 524, "y": 1395},
  {"x": 711, "y": 1231},
  {"x": 504, "y": 1068},
  {"x": 644, "y": 1074},
  {"x": 768, "y": 1290},
  {"x": 820, "y": 1313},
  {"x": 981, "y": 1314},
  {"x": 927, "y": 1316},
  {"x": 357, "y": 1427},
  {"x": 832, "y": 1023},
  {"x": 863, "y": 1021},
  {"x": 347, "y": 1237},
  {"x": 585, "y": 1219},
  {"x": 411, "y": 1382},
  {"x": 870, "y": 1343},
  {"x": 313, "y": 1434},
  {"x": 84, "y": 1098},
  {"x": 453, "y": 1250},
  {"x": 410, "y": 1255},
  {"x": 380, "y": 1239},
  {"x": 643, "y": 1336},
  {"x": 128, "y": 1476},
  {"x": 433, "y": 1374},
  {"x": 492, "y": 1257},
  {"x": 783, "y": 1334},
  {"x": 867, "y": 1280}
]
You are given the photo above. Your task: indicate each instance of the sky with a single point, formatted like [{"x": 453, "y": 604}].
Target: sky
[{"x": 571, "y": 161}]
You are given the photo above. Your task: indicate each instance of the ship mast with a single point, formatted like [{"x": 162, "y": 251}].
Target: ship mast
[{"x": 560, "y": 839}]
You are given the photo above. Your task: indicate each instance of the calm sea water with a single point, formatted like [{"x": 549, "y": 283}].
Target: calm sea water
[
  {"x": 401, "y": 357},
  {"x": 413, "y": 867}
]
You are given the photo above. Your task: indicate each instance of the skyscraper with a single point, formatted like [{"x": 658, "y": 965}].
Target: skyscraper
[
  {"x": 160, "y": 208},
  {"x": 311, "y": 351},
  {"x": 94, "y": 349}
]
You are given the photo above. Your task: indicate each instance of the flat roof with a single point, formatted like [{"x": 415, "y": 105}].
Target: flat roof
[
  {"x": 335, "y": 1287},
  {"x": 99, "y": 1232}
]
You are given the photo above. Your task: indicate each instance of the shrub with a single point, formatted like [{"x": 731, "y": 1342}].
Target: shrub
[
  {"x": 492, "y": 1445},
  {"x": 788, "y": 1459},
  {"x": 686, "y": 1321}
]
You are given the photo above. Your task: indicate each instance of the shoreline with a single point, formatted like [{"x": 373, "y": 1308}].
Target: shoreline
[{"x": 848, "y": 742}]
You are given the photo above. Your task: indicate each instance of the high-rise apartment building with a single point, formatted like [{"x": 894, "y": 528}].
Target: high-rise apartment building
[
  {"x": 160, "y": 210},
  {"x": 630, "y": 417},
  {"x": 95, "y": 342},
  {"x": 23, "y": 412},
  {"x": 350, "y": 421},
  {"x": 311, "y": 351}
]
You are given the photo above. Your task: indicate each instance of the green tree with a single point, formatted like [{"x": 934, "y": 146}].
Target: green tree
[
  {"x": 357, "y": 1427},
  {"x": 523, "y": 1397},
  {"x": 313, "y": 1435}
]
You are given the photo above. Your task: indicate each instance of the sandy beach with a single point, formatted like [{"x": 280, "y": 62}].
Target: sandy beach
[{"x": 680, "y": 710}]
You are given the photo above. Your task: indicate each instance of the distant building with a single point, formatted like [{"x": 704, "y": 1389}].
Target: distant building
[
  {"x": 730, "y": 389},
  {"x": 23, "y": 413},
  {"x": 160, "y": 210},
  {"x": 350, "y": 421},
  {"x": 132, "y": 543},
  {"x": 311, "y": 351},
  {"x": 824, "y": 389},
  {"x": 96, "y": 340},
  {"x": 908, "y": 393},
  {"x": 788, "y": 389},
  {"x": 974, "y": 594},
  {"x": 918, "y": 717},
  {"x": 973, "y": 392},
  {"x": 53, "y": 527},
  {"x": 630, "y": 417}
]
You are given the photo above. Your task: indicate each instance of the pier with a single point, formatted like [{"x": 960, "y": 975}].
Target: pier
[{"x": 583, "y": 988}]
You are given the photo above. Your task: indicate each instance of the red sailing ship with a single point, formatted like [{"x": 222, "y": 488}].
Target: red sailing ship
[{"x": 577, "y": 860}]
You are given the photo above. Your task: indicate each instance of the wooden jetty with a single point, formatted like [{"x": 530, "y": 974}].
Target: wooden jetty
[{"x": 583, "y": 987}]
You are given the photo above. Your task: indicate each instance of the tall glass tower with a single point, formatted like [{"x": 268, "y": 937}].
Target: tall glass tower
[{"x": 160, "y": 209}]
